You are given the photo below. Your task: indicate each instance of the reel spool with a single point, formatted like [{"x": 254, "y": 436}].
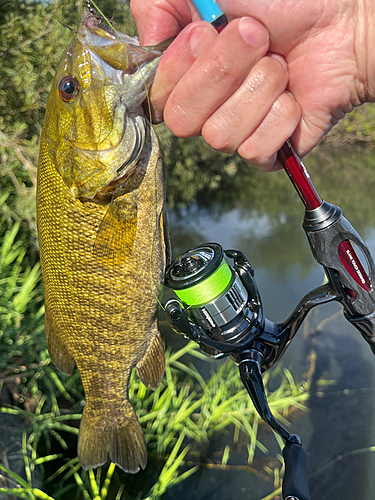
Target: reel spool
[{"x": 215, "y": 301}]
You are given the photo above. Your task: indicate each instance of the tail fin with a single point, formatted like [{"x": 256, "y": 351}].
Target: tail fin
[{"x": 118, "y": 436}]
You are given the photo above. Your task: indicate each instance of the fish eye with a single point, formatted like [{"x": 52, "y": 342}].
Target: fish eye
[{"x": 68, "y": 88}]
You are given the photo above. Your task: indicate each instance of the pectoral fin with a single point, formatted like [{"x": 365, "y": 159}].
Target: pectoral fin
[{"x": 117, "y": 232}]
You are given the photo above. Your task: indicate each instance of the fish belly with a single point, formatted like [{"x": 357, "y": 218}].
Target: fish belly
[{"x": 101, "y": 306}]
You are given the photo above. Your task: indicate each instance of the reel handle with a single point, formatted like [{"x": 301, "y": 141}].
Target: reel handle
[{"x": 294, "y": 482}]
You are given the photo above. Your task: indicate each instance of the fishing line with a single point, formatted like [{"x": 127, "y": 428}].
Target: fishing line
[
  {"x": 139, "y": 68},
  {"x": 209, "y": 289},
  {"x": 153, "y": 225},
  {"x": 153, "y": 234},
  {"x": 101, "y": 13}
]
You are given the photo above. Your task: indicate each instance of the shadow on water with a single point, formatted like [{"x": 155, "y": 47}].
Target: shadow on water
[
  {"x": 261, "y": 215},
  {"x": 342, "y": 416}
]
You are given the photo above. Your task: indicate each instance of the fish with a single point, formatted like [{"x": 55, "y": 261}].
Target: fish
[{"x": 103, "y": 234}]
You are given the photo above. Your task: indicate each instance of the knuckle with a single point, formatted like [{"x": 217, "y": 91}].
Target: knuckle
[
  {"x": 272, "y": 80},
  {"x": 271, "y": 74},
  {"x": 251, "y": 154},
  {"x": 223, "y": 66},
  {"x": 277, "y": 66},
  {"x": 247, "y": 151},
  {"x": 286, "y": 109},
  {"x": 179, "y": 122},
  {"x": 215, "y": 138}
]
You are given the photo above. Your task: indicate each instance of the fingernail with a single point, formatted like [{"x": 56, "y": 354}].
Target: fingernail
[
  {"x": 279, "y": 58},
  {"x": 291, "y": 95},
  {"x": 252, "y": 32},
  {"x": 200, "y": 39}
]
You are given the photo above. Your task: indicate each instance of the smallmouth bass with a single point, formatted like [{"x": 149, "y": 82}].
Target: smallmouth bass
[{"x": 102, "y": 234}]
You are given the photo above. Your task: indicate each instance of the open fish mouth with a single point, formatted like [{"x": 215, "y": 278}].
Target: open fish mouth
[{"x": 123, "y": 72}]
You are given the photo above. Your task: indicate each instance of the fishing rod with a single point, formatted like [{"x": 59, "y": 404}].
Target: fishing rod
[{"x": 219, "y": 306}]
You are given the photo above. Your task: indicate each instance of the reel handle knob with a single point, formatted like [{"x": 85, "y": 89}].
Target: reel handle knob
[{"x": 295, "y": 483}]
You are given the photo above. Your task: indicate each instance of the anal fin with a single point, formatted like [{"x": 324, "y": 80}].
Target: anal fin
[
  {"x": 151, "y": 367},
  {"x": 57, "y": 350}
]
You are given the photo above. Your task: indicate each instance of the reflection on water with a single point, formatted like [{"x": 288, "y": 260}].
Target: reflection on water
[{"x": 261, "y": 215}]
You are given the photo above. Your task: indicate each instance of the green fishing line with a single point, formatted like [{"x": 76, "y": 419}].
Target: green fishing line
[{"x": 209, "y": 289}]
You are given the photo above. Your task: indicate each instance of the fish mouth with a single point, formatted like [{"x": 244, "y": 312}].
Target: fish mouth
[
  {"x": 96, "y": 23},
  {"x": 106, "y": 42}
]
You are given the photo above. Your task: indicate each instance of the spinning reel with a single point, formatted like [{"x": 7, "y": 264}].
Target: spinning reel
[{"x": 219, "y": 307}]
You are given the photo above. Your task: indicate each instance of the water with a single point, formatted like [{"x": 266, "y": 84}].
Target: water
[{"x": 338, "y": 428}]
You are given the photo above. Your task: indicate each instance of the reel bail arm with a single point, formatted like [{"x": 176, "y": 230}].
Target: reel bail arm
[{"x": 278, "y": 339}]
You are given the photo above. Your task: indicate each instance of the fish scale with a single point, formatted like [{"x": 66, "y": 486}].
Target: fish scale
[{"x": 102, "y": 257}]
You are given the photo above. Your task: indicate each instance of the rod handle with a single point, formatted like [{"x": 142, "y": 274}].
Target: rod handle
[{"x": 295, "y": 483}]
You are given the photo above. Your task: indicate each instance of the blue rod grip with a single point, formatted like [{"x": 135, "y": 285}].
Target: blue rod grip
[{"x": 208, "y": 10}]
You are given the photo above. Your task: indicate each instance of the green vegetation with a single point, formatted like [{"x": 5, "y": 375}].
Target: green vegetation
[{"x": 186, "y": 412}]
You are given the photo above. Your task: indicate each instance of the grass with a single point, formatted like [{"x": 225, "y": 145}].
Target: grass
[{"x": 180, "y": 419}]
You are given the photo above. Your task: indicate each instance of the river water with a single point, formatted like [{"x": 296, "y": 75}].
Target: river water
[{"x": 263, "y": 219}]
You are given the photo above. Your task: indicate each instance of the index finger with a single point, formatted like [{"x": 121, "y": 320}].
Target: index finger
[{"x": 158, "y": 20}]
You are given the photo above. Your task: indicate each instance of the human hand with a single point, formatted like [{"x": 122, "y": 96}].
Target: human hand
[{"x": 228, "y": 91}]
